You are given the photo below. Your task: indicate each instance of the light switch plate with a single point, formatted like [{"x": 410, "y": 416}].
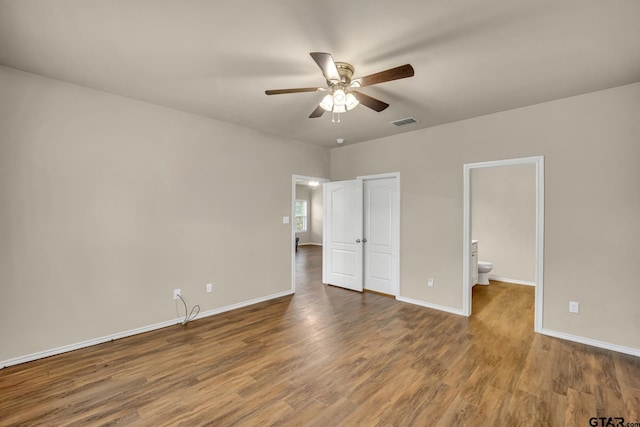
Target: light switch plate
[{"x": 285, "y": 220}]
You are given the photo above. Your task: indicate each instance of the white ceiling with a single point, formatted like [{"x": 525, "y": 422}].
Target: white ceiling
[{"x": 215, "y": 58}]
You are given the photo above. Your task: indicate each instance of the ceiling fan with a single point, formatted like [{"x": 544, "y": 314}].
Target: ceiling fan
[{"x": 342, "y": 96}]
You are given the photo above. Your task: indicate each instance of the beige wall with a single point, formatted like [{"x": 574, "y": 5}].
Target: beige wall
[
  {"x": 107, "y": 204},
  {"x": 503, "y": 206},
  {"x": 592, "y": 204}
]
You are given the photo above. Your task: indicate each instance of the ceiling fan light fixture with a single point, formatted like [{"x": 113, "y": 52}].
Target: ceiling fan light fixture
[
  {"x": 339, "y": 108},
  {"x": 339, "y": 97},
  {"x": 327, "y": 102},
  {"x": 351, "y": 101}
]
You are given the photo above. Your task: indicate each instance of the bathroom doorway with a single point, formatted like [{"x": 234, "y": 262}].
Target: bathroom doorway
[{"x": 530, "y": 276}]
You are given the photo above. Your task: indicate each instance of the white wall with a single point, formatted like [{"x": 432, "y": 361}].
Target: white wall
[
  {"x": 503, "y": 206},
  {"x": 107, "y": 204},
  {"x": 592, "y": 204}
]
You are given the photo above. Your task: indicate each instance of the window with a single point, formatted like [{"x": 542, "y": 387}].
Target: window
[{"x": 301, "y": 215}]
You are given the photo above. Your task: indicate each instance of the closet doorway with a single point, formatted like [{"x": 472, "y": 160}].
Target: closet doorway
[{"x": 362, "y": 234}]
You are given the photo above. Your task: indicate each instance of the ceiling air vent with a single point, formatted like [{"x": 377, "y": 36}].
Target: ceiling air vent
[{"x": 403, "y": 122}]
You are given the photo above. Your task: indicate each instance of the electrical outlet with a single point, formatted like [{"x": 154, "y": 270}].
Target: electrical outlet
[
  {"x": 430, "y": 282},
  {"x": 209, "y": 287},
  {"x": 176, "y": 294},
  {"x": 574, "y": 307}
]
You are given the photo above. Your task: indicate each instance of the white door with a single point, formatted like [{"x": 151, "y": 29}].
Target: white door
[
  {"x": 342, "y": 248},
  {"x": 380, "y": 262}
]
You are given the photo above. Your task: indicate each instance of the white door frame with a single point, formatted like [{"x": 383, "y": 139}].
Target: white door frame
[
  {"x": 294, "y": 179},
  {"x": 538, "y": 162},
  {"x": 396, "y": 227}
]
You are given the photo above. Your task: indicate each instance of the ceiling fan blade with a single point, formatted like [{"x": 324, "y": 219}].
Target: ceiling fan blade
[
  {"x": 319, "y": 111},
  {"x": 367, "y": 101},
  {"x": 327, "y": 65},
  {"x": 396, "y": 73},
  {"x": 295, "y": 90}
]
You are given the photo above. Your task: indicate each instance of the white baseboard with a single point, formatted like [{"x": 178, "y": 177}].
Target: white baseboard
[
  {"x": 243, "y": 304},
  {"x": 514, "y": 281},
  {"x": 591, "y": 342},
  {"x": 309, "y": 244},
  {"x": 430, "y": 305},
  {"x": 95, "y": 341}
]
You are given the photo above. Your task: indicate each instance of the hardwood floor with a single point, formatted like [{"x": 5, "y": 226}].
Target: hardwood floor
[{"x": 331, "y": 357}]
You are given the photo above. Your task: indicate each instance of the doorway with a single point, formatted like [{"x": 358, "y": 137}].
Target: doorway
[
  {"x": 538, "y": 163},
  {"x": 311, "y": 222}
]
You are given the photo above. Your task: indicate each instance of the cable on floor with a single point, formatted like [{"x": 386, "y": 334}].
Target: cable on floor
[{"x": 191, "y": 315}]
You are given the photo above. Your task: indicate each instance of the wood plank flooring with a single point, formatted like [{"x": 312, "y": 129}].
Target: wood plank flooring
[{"x": 331, "y": 357}]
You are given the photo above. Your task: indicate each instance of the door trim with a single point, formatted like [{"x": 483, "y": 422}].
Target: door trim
[
  {"x": 538, "y": 161},
  {"x": 292, "y": 248},
  {"x": 396, "y": 228}
]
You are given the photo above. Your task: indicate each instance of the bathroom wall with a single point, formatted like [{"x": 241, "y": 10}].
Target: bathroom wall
[{"x": 503, "y": 220}]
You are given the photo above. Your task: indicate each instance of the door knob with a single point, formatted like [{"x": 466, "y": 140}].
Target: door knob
[
  {"x": 364, "y": 240},
  {"x": 357, "y": 240}
]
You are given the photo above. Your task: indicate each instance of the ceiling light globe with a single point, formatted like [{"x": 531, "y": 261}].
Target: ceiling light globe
[
  {"x": 351, "y": 101},
  {"x": 327, "y": 103},
  {"x": 339, "y": 108},
  {"x": 339, "y": 97}
]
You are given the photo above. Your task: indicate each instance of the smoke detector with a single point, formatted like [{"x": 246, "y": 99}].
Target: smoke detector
[{"x": 340, "y": 140}]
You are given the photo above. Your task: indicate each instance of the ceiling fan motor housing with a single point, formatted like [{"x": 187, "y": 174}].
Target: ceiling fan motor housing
[{"x": 346, "y": 72}]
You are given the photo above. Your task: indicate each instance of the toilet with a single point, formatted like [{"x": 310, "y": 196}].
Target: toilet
[{"x": 483, "y": 272}]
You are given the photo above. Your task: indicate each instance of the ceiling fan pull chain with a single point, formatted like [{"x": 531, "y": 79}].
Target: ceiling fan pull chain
[{"x": 333, "y": 117}]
